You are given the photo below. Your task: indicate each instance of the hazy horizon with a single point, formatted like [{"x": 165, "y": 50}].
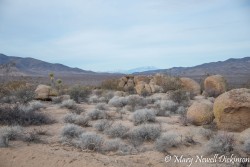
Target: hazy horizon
[{"x": 117, "y": 35}]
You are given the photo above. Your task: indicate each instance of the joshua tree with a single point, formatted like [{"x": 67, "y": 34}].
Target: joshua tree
[
  {"x": 52, "y": 79},
  {"x": 59, "y": 84}
]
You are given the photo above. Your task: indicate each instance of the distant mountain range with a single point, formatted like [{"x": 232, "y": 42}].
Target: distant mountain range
[
  {"x": 135, "y": 70},
  {"x": 236, "y": 71},
  {"x": 34, "y": 67}
]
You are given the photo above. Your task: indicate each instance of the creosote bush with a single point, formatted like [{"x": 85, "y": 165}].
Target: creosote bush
[
  {"x": 22, "y": 115},
  {"x": 143, "y": 116},
  {"x": 166, "y": 141},
  {"x": 79, "y": 93},
  {"x": 180, "y": 96},
  {"x": 142, "y": 133},
  {"x": 168, "y": 83},
  {"x": 222, "y": 143},
  {"x": 110, "y": 84}
]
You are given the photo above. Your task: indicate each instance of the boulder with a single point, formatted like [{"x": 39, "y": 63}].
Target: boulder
[
  {"x": 191, "y": 86},
  {"x": 139, "y": 78},
  {"x": 200, "y": 112},
  {"x": 42, "y": 92},
  {"x": 121, "y": 83},
  {"x": 155, "y": 88},
  {"x": 148, "y": 89},
  {"x": 215, "y": 85},
  {"x": 130, "y": 83},
  {"x": 232, "y": 110},
  {"x": 139, "y": 88}
]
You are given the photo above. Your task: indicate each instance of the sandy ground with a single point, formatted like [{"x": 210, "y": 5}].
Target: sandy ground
[{"x": 54, "y": 154}]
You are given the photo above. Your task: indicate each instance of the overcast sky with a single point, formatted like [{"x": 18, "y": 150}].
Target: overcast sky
[{"x": 107, "y": 35}]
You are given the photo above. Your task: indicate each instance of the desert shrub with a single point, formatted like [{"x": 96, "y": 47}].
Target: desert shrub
[
  {"x": 180, "y": 96},
  {"x": 143, "y": 116},
  {"x": 9, "y": 133},
  {"x": 12, "y": 132},
  {"x": 112, "y": 144},
  {"x": 131, "y": 100},
  {"x": 97, "y": 114},
  {"x": 90, "y": 141},
  {"x": 22, "y": 115},
  {"x": 110, "y": 84},
  {"x": 93, "y": 99},
  {"x": 189, "y": 140},
  {"x": 36, "y": 105},
  {"x": 207, "y": 133},
  {"x": 79, "y": 93},
  {"x": 183, "y": 120},
  {"x": 4, "y": 142},
  {"x": 71, "y": 131},
  {"x": 168, "y": 83},
  {"x": 117, "y": 130},
  {"x": 71, "y": 104},
  {"x": 25, "y": 95},
  {"x": 101, "y": 106},
  {"x": 143, "y": 133},
  {"x": 117, "y": 101},
  {"x": 135, "y": 100},
  {"x": 56, "y": 100},
  {"x": 181, "y": 110},
  {"x": 77, "y": 119},
  {"x": 165, "y": 107},
  {"x": 32, "y": 137},
  {"x": 221, "y": 143},
  {"x": 246, "y": 146},
  {"x": 166, "y": 141},
  {"x": 102, "y": 125},
  {"x": 126, "y": 149}
]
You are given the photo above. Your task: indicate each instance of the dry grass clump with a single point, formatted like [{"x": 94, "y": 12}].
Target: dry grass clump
[
  {"x": 222, "y": 143},
  {"x": 166, "y": 141},
  {"x": 142, "y": 133},
  {"x": 143, "y": 116},
  {"x": 10, "y": 133},
  {"x": 165, "y": 107}
]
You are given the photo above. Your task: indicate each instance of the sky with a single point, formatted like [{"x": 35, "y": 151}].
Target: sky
[{"x": 110, "y": 35}]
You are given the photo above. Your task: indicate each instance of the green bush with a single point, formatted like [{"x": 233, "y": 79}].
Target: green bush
[{"x": 79, "y": 93}]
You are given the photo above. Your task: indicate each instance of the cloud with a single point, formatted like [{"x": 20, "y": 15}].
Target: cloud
[{"x": 106, "y": 35}]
